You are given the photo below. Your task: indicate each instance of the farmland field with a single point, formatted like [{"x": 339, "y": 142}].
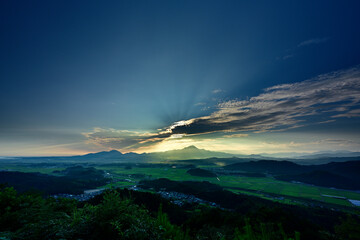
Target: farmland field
[
  {"x": 264, "y": 187},
  {"x": 261, "y": 187}
]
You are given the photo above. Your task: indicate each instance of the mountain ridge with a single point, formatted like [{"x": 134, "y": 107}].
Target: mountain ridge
[{"x": 189, "y": 153}]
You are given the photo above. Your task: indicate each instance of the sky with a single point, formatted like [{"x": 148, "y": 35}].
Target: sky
[{"x": 235, "y": 76}]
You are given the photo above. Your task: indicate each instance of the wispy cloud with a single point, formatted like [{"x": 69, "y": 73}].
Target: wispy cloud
[
  {"x": 284, "y": 106},
  {"x": 287, "y": 56},
  {"x": 349, "y": 114},
  {"x": 281, "y": 107},
  {"x": 292, "y": 51},
  {"x": 215, "y": 91},
  {"x": 306, "y": 146},
  {"x": 313, "y": 41},
  {"x": 237, "y": 135},
  {"x": 338, "y": 142},
  {"x": 123, "y": 139},
  {"x": 200, "y": 104}
]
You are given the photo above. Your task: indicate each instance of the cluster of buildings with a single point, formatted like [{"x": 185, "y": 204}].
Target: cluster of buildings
[
  {"x": 181, "y": 198},
  {"x": 87, "y": 195}
]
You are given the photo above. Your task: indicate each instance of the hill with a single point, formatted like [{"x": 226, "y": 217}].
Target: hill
[
  {"x": 104, "y": 154},
  {"x": 131, "y": 215},
  {"x": 268, "y": 166},
  {"x": 201, "y": 172},
  {"x": 74, "y": 180},
  {"x": 323, "y": 179},
  {"x": 344, "y": 175}
]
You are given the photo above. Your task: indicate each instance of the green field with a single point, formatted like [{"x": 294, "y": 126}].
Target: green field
[
  {"x": 248, "y": 185},
  {"x": 29, "y": 168},
  {"x": 265, "y": 187}
]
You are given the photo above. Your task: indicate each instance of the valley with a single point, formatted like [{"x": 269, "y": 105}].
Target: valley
[
  {"x": 263, "y": 190},
  {"x": 256, "y": 180}
]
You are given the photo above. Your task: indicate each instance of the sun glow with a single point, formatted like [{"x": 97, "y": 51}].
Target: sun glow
[{"x": 172, "y": 144}]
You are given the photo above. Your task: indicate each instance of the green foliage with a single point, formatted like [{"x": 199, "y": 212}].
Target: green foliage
[
  {"x": 49, "y": 184},
  {"x": 116, "y": 216},
  {"x": 170, "y": 231},
  {"x": 349, "y": 228},
  {"x": 129, "y": 220},
  {"x": 28, "y": 216},
  {"x": 267, "y": 232}
]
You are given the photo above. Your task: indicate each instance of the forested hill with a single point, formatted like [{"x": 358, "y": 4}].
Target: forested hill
[
  {"x": 129, "y": 215},
  {"x": 73, "y": 180},
  {"x": 344, "y": 175}
]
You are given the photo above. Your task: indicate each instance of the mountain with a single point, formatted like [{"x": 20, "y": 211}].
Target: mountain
[
  {"x": 284, "y": 155},
  {"x": 330, "y": 154},
  {"x": 213, "y": 161},
  {"x": 104, "y": 154},
  {"x": 189, "y": 153},
  {"x": 192, "y": 152},
  {"x": 115, "y": 156}
]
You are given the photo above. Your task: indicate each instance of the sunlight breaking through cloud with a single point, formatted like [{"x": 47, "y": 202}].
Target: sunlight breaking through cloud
[
  {"x": 286, "y": 106},
  {"x": 319, "y": 100}
]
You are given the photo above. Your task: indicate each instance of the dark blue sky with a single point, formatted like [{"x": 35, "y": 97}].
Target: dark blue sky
[{"x": 72, "y": 70}]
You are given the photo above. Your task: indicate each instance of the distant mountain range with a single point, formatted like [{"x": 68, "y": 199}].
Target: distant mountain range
[
  {"x": 328, "y": 169},
  {"x": 331, "y": 154},
  {"x": 314, "y": 155},
  {"x": 190, "y": 152},
  {"x": 195, "y": 154}
]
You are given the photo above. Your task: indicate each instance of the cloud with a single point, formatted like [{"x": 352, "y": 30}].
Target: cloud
[
  {"x": 349, "y": 114},
  {"x": 283, "y": 107},
  {"x": 287, "y": 56},
  {"x": 215, "y": 91},
  {"x": 324, "y": 98},
  {"x": 291, "y": 52},
  {"x": 123, "y": 139},
  {"x": 200, "y": 104},
  {"x": 339, "y": 142},
  {"x": 313, "y": 41},
  {"x": 238, "y": 135},
  {"x": 301, "y": 147}
]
